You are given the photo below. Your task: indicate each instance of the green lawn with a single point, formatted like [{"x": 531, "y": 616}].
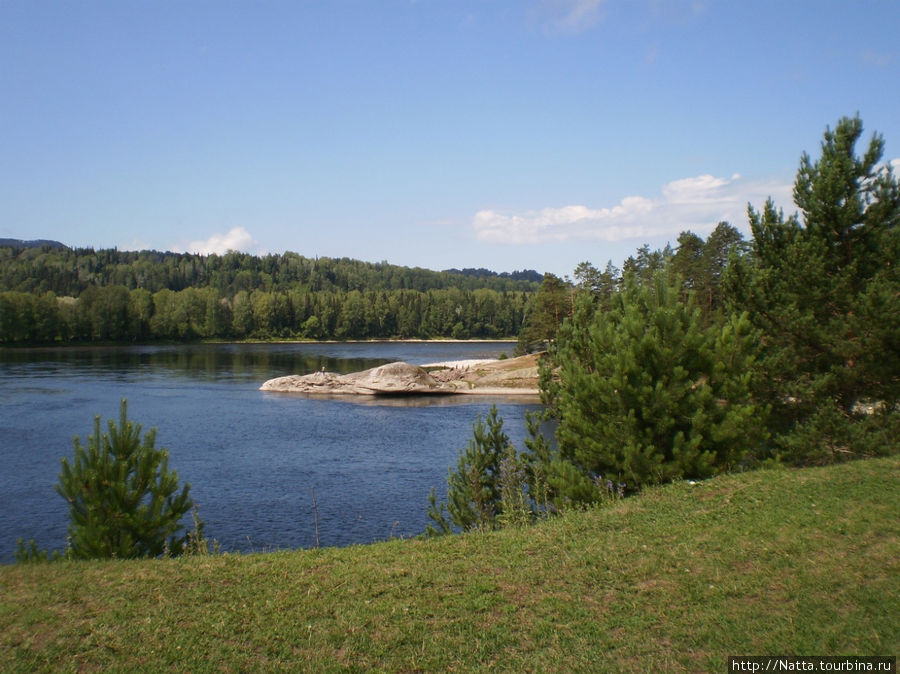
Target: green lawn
[{"x": 677, "y": 579}]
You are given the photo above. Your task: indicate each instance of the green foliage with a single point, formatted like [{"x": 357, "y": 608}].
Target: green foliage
[
  {"x": 536, "y": 457},
  {"x": 59, "y": 295},
  {"x": 646, "y": 393},
  {"x": 196, "y": 544},
  {"x": 482, "y": 483},
  {"x": 601, "y": 284},
  {"x": 30, "y": 553},
  {"x": 646, "y": 264},
  {"x": 552, "y": 305},
  {"x": 117, "y": 315},
  {"x": 702, "y": 264},
  {"x": 66, "y": 271},
  {"x": 123, "y": 499},
  {"x": 824, "y": 287},
  {"x": 515, "y": 509},
  {"x": 494, "y": 486}
]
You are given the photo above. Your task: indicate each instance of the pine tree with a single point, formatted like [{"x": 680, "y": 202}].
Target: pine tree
[
  {"x": 475, "y": 491},
  {"x": 123, "y": 500},
  {"x": 701, "y": 265},
  {"x": 552, "y": 305},
  {"x": 824, "y": 287},
  {"x": 647, "y": 393}
]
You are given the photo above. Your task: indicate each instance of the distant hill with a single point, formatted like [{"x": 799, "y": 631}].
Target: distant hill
[
  {"x": 185, "y": 296},
  {"x": 37, "y": 243},
  {"x": 525, "y": 275},
  {"x": 68, "y": 271}
]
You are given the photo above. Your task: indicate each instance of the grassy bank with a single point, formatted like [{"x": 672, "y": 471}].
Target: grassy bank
[{"x": 679, "y": 578}]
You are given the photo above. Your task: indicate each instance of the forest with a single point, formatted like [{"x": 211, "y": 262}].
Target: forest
[{"x": 53, "y": 294}]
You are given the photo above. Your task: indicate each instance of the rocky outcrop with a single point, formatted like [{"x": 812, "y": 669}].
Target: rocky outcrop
[
  {"x": 517, "y": 376},
  {"x": 390, "y": 379}
]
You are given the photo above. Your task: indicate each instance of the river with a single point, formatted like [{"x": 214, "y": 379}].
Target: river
[{"x": 253, "y": 459}]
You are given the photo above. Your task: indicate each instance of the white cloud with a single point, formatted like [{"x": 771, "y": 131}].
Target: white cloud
[
  {"x": 701, "y": 189},
  {"x": 697, "y": 203},
  {"x": 237, "y": 238}
]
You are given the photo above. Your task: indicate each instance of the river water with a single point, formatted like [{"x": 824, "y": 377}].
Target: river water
[{"x": 254, "y": 460}]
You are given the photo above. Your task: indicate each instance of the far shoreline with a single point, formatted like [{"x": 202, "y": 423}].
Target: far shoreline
[
  {"x": 201, "y": 342},
  {"x": 380, "y": 340}
]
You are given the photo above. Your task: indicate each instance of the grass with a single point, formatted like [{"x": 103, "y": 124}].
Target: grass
[{"x": 676, "y": 579}]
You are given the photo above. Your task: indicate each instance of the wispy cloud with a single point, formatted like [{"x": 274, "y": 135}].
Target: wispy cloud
[
  {"x": 578, "y": 16},
  {"x": 571, "y": 16},
  {"x": 697, "y": 203},
  {"x": 236, "y": 238},
  {"x": 879, "y": 59}
]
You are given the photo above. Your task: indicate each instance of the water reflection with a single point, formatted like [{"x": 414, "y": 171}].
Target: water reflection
[
  {"x": 245, "y": 362},
  {"x": 415, "y": 400},
  {"x": 210, "y": 362}
]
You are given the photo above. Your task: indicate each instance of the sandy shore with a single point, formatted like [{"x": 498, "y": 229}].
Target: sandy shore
[
  {"x": 460, "y": 364},
  {"x": 499, "y": 391}
]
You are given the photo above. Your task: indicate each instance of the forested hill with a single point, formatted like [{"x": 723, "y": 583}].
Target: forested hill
[
  {"x": 52, "y": 294},
  {"x": 26, "y": 267},
  {"x": 37, "y": 243}
]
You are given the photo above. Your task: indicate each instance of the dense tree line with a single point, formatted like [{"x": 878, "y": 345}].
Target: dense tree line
[
  {"x": 51, "y": 295},
  {"x": 699, "y": 266},
  {"x": 116, "y": 314}
]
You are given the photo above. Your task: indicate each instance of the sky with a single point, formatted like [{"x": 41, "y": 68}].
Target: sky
[{"x": 510, "y": 135}]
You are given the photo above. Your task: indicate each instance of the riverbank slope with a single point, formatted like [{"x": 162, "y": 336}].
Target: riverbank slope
[{"x": 675, "y": 579}]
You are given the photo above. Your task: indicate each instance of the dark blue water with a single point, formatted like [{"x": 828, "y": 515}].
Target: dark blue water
[{"x": 253, "y": 459}]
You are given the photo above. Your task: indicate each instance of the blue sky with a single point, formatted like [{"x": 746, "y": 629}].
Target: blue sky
[{"x": 435, "y": 133}]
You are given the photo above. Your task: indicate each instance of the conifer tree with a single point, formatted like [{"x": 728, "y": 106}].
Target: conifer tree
[
  {"x": 824, "y": 287},
  {"x": 701, "y": 265},
  {"x": 552, "y": 305},
  {"x": 123, "y": 499},
  {"x": 475, "y": 489},
  {"x": 647, "y": 393}
]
